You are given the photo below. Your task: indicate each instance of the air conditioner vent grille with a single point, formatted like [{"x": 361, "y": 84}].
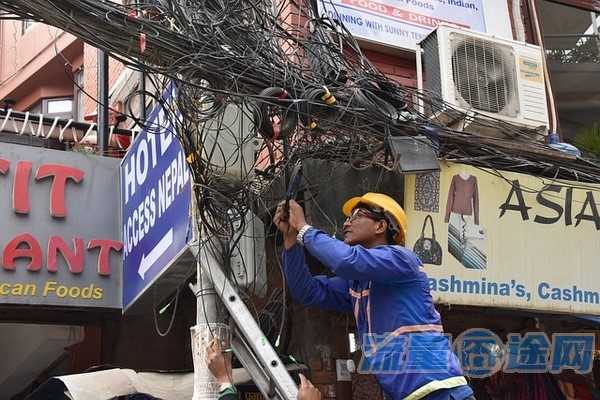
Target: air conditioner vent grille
[
  {"x": 484, "y": 75},
  {"x": 431, "y": 65}
]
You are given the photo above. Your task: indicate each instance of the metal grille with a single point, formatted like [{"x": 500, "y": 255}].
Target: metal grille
[
  {"x": 431, "y": 69},
  {"x": 484, "y": 74},
  {"x": 431, "y": 64}
]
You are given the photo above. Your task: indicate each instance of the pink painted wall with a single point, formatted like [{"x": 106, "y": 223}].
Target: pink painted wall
[
  {"x": 39, "y": 63},
  {"x": 25, "y": 57}
]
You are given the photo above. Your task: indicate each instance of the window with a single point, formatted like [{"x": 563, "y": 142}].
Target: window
[{"x": 59, "y": 106}]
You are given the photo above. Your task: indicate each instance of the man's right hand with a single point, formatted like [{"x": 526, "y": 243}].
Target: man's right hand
[{"x": 282, "y": 223}]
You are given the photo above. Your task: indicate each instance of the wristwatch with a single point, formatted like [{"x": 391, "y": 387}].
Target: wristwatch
[{"x": 301, "y": 232}]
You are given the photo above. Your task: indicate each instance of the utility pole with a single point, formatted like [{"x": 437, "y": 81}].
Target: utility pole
[
  {"x": 208, "y": 326},
  {"x": 142, "y": 77},
  {"x": 245, "y": 337},
  {"x": 102, "y": 120}
]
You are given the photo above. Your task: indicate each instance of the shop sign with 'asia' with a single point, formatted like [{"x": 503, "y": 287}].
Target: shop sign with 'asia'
[
  {"x": 502, "y": 239},
  {"x": 60, "y": 227}
]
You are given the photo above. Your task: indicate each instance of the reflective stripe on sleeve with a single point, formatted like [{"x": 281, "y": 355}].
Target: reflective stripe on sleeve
[{"x": 432, "y": 386}]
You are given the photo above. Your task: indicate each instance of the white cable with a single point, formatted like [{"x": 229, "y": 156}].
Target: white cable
[
  {"x": 31, "y": 130},
  {"x": 118, "y": 140},
  {"x": 6, "y": 117},
  {"x": 92, "y": 126},
  {"x": 74, "y": 132},
  {"x": 63, "y": 129},
  {"x": 110, "y": 134},
  {"x": 52, "y": 128},
  {"x": 134, "y": 133},
  {"x": 25, "y": 121},
  {"x": 15, "y": 127},
  {"x": 40, "y": 125}
]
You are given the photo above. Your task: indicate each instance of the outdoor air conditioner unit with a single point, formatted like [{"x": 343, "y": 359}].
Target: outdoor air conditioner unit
[{"x": 472, "y": 71}]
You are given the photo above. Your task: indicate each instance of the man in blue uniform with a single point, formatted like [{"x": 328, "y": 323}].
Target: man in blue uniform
[{"x": 382, "y": 283}]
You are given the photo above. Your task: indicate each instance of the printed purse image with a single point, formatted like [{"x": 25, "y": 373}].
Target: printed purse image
[{"x": 427, "y": 248}]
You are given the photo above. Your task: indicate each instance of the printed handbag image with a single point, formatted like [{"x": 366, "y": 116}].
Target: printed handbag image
[{"x": 428, "y": 249}]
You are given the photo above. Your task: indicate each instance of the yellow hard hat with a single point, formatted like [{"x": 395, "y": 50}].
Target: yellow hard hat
[{"x": 387, "y": 204}]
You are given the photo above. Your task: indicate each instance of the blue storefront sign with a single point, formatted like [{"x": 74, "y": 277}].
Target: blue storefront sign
[{"x": 155, "y": 203}]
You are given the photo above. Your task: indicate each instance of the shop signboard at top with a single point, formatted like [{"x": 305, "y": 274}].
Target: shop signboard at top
[
  {"x": 502, "y": 239},
  {"x": 60, "y": 228},
  {"x": 402, "y": 23}
]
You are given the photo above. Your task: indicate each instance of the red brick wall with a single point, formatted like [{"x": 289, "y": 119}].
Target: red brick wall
[
  {"x": 527, "y": 22},
  {"x": 90, "y": 76},
  {"x": 401, "y": 69}
]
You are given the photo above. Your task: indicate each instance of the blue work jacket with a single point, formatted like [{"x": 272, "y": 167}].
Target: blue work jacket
[{"x": 401, "y": 333}]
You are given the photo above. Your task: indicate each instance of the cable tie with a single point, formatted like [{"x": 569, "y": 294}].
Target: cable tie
[
  {"x": 191, "y": 158},
  {"x": 328, "y": 98}
]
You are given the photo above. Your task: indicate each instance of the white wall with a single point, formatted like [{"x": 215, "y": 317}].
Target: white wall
[
  {"x": 497, "y": 18},
  {"x": 370, "y": 20}
]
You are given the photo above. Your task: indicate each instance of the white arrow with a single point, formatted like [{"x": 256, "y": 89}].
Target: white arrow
[{"x": 158, "y": 250}]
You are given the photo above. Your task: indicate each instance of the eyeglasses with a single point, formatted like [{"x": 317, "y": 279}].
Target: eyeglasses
[{"x": 362, "y": 212}]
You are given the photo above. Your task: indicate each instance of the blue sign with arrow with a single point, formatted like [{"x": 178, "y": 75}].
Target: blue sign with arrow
[{"x": 155, "y": 203}]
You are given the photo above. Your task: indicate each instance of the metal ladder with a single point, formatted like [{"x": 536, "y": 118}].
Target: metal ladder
[{"x": 248, "y": 342}]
